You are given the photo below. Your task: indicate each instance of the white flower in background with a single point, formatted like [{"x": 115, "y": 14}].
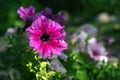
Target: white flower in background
[
  {"x": 104, "y": 17},
  {"x": 82, "y": 36},
  {"x": 10, "y": 31},
  {"x": 80, "y": 41},
  {"x": 92, "y": 40},
  {"x": 103, "y": 58},
  {"x": 97, "y": 51}
]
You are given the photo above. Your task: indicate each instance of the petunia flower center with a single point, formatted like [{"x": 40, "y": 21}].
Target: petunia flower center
[
  {"x": 44, "y": 37},
  {"x": 95, "y": 53}
]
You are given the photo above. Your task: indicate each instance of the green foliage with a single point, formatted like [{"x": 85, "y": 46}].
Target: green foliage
[
  {"x": 79, "y": 65},
  {"x": 41, "y": 69},
  {"x": 27, "y": 61},
  {"x": 84, "y": 68}
]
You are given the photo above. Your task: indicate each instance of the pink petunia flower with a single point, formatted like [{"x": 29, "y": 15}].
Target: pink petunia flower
[
  {"x": 26, "y": 13},
  {"x": 47, "y": 37},
  {"x": 97, "y": 51}
]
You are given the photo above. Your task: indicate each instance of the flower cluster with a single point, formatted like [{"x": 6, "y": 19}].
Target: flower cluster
[
  {"x": 28, "y": 15},
  {"x": 86, "y": 42},
  {"x": 46, "y": 31}
]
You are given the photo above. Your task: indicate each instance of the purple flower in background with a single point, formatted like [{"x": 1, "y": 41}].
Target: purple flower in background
[
  {"x": 109, "y": 40},
  {"x": 89, "y": 28},
  {"x": 26, "y": 14},
  {"x": 47, "y": 12}
]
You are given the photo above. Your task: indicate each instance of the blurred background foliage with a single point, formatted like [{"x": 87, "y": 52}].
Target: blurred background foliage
[{"x": 80, "y": 11}]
